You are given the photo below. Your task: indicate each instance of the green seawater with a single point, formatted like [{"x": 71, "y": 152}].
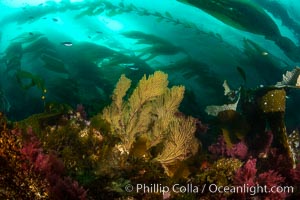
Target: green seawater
[
  {"x": 73, "y": 52},
  {"x": 149, "y": 99}
]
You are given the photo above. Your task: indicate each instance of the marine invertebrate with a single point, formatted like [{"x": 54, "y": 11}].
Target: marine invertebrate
[
  {"x": 149, "y": 115},
  {"x": 130, "y": 118},
  {"x": 180, "y": 142},
  {"x": 165, "y": 109}
]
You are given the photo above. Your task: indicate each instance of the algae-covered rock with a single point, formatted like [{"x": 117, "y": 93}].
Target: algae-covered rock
[
  {"x": 271, "y": 102},
  {"x": 221, "y": 172}
]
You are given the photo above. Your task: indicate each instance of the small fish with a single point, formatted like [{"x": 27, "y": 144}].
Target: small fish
[
  {"x": 264, "y": 53},
  {"x": 134, "y": 68},
  {"x": 67, "y": 44},
  {"x": 126, "y": 64},
  {"x": 241, "y": 72},
  {"x": 55, "y": 19},
  {"x": 130, "y": 66}
]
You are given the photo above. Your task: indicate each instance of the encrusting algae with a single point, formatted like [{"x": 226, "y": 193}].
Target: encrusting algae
[
  {"x": 221, "y": 172},
  {"x": 273, "y": 101}
]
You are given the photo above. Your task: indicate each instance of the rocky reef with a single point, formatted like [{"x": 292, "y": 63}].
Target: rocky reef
[{"x": 141, "y": 146}]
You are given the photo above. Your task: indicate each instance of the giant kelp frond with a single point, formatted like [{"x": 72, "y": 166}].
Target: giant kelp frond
[{"x": 109, "y": 9}]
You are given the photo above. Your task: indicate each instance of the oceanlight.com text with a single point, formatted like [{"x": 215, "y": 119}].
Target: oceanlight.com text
[{"x": 252, "y": 190}]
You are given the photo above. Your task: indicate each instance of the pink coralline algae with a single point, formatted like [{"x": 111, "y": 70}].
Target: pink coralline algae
[
  {"x": 295, "y": 174},
  {"x": 272, "y": 180},
  {"x": 219, "y": 148},
  {"x": 246, "y": 174},
  {"x": 81, "y": 110},
  {"x": 265, "y": 183},
  {"x": 200, "y": 127},
  {"x": 48, "y": 164},
  {"x": 277, "y": 161},
  {"x": 32, "y": 147},
  {"x": 268, "y": 142},
  {"x": 238, "y": 150},
  {"x": 262, "y": 144},
  {"x": 52, "y": 169}
]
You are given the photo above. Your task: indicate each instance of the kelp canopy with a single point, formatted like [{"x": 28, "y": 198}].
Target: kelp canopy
[{"x": 75, "y": 51}]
